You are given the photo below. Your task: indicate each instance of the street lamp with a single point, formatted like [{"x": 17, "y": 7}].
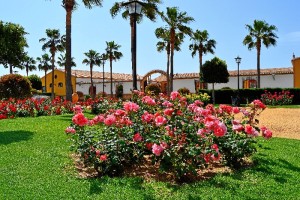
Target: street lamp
[
  {"x": 238, "y": 61},
  {"x": 135, "y": 9}
]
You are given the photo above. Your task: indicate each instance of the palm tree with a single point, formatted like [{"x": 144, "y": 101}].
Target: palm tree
[
  {"x": 201, "y": 45},
  {"x": 54, "y": 43},
  {"x": 112, "y": 53},
  {"x": 164, "y": 44},
  {"x": 150, "y": 10},
  {"x": 176, "y": 23},
  {"x": 61, "y": 61},
  {"x": 103, "y": 59},
  {"x": 93, "y": 58},
  {"x": 29, "y": 64},
  {"x": 260, "y": 32},
  {"x": 44, "y": 65},
  {"x": 69, "y": 6}
]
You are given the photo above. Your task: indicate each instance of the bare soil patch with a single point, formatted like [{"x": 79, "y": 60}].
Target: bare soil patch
[{"x": 283, "y": 122}]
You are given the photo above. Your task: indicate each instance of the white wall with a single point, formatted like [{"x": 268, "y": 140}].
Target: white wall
[
  {"x": 187, "y": 83},
  {"x": 266, "y": 81},
  {"x": 84, "y": 87}
]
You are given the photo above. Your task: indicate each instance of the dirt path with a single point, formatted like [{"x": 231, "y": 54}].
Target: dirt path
[{"x": 284, "y": 122}]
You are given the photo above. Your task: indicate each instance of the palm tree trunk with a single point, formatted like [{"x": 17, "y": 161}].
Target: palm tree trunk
[
  {"x": 168, "y": 70},
  {"x": 258, "y": 67},
  {"x": 103, "y": 80},
  {"x": 45, "y": 81},
  {"x": 10, "y": 69},
  {"x": 52, "y": 88},
  {"x": 111, "y": 81},
  {"x": 92, "y": 85},
  {"x": 213, "y": 93},
  {"x": 27, "y": 71},
  {"x": 69, "y": 7},
  {"x": 172, "y": 58},
  {"x": 200, "y": 66}
]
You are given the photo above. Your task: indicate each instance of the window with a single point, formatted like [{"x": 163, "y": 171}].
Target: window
[{"x": 60, "y": 84}]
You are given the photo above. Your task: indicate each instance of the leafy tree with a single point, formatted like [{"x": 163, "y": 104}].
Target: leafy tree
[
  {"x": 201, "y": 45},
  {"x": 93, "y": 58},
  {"x": 70, "y": 6},
  {"x": 164, "y": 34},
  {"x": 29, "y": 64},
  {"x": 44, "y": 64},
  {"x": 176, "y": 23},
  {"x": 112, "y": 53},
  {"x": 35, "y": 81},
  {"x": 260, "y": 32},
  {"x": 215, "y": 71},
  {"x": 54, "y": 42},
  {"x": 149, "y": 10},
  {"x": 12, "y": 44}
]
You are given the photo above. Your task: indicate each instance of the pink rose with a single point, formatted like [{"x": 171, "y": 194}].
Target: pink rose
[
  {"x": 103, "y": 157},
  {"x": 80, "y": 120},
  {"x": 70, "y": 130},
  {"x": 168, "y": 111},
  {"x": 175, "y": 95},
  {"x": 157, "y": 149},
  {"x": 137, "y": 137},
  {"x": 220, "y": 129},
  {"x": 160, "y": 120},
  {"x": 130, "y": 106},
  {"x": 146, "y": 117},
  {"x": 110, "y": 120},
  {"x": 77, "y": 109}
]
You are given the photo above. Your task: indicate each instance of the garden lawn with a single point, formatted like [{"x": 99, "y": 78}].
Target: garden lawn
[{"x": 35, "y": 164}]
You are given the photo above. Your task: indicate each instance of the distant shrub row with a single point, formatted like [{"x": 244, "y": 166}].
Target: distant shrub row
[{"x": 224, "y": 96}]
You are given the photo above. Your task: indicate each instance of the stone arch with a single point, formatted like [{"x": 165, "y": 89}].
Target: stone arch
[{"x": 155, "y": 71}]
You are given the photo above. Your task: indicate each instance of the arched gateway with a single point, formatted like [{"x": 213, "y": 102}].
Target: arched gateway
[{"x": 144, "y": 81}]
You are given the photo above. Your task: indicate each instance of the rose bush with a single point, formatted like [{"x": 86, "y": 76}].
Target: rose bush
[
  {"x": 178, "y": 136},
  {"x": 281, "y": 98},
  {"x": 32, "y": 107}
]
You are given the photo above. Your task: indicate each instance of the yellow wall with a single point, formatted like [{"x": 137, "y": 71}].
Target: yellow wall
[
  {"x": 296, "y": 68},
  {"x": 59, "y": 83}
]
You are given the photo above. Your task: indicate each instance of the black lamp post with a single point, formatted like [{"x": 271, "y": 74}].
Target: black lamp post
[
  {"x": 238, "y": 61},
  {"x": 135, "y": 9}
]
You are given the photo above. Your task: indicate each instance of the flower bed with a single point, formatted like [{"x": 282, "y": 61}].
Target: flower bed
[
  {"x": 281, "y": 98},
  {"x": 33, "y": 107},
  {"x": 179, "y": 137}
]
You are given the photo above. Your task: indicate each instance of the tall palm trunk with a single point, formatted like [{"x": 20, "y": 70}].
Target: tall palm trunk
[
  {"x": 52, "y": 88},
  {"x": 10, "y": 69},
  {"x": 45, "y": 81},
  {"x": 258, "y": 63},
  {"x": 168, "y": 68},
  {"x": 111, "y": 80},
  {"x": 27, "y": 71},
  {"x": 69, "y": 5},
  {"x": 92, "y": 85},
  {"x": 200, "y": 66},
  {"x": 172, "y": 58}
]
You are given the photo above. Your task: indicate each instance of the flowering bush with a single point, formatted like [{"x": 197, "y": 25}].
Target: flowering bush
[
  {"x": 204, "y": 97},
  {"x": 281, "y": 98},
  {"x": 179, "y": 137},
  {"x": 32, "y": 107}
]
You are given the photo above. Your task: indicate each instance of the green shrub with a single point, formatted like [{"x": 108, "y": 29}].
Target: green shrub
[
  {"x": 119, "y": 91},
  {"x": 152, "y": 88},
  {"x": 14, "y": 86},
  {"x": 36, "y": 82},
  {"x": 183, "y": 91}
]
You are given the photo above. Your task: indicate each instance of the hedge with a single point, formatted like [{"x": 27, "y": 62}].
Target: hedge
[{"x": 223, "y": 96}]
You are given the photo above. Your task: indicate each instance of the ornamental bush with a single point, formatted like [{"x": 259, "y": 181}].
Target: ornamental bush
[
  {"x": 277, "y": 98},
  {"x": 152, "y": 88},
  {"x": 14, "y": 86},
  {"x": 179, "y": 137},
  {"x": 184, "y": 91},
  {"x": 35, "y": 81}
]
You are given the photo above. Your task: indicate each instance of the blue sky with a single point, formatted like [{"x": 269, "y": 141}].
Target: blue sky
[{"x": 224, "y": 20}]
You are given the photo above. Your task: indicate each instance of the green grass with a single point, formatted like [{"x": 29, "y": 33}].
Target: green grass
[
  {"x": 285, "y": 106},
  {"x": 35, "y": 164}
]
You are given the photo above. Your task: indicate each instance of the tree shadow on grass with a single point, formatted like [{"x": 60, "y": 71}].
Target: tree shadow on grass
[{"x": 8, "y": 137}]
